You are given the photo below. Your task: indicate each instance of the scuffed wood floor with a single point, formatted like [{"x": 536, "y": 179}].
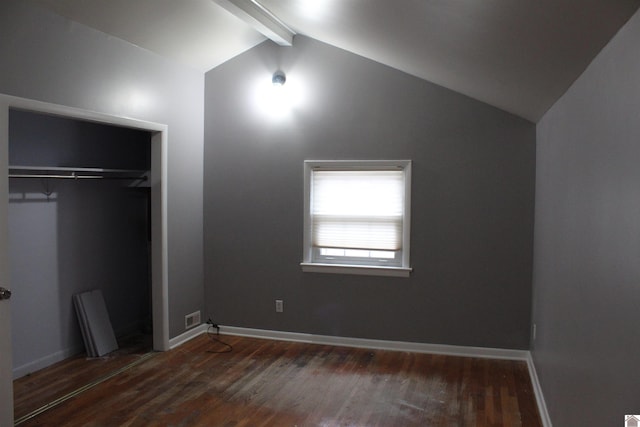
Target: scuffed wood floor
[
  {"x": 275, "y": 383},
  {"x": 40, "y": 388}
]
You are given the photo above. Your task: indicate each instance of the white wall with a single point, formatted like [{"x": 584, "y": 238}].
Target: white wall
[
  {"x": 587, "y": 242},
  {"x": 49, "y": 58}
]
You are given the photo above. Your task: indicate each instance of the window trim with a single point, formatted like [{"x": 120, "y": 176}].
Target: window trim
[{"x": 308, "y": 265}]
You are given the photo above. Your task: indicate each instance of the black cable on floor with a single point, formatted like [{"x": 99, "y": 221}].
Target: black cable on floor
[{"x": 228, "y": 347}]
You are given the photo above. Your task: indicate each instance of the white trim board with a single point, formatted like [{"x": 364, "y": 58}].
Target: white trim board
[
  {"x": 537, "y": 391},
  {"x": 159, "y": 179},
  {"x": 46, "y": 361},
  {"x": 188, "y": 335},
  {"x": 450, "y": 350}
]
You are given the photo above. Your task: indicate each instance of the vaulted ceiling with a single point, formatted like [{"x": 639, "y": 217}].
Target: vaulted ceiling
[{"x": 518, "y": 55}]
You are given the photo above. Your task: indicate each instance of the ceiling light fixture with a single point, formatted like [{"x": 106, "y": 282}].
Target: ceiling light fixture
[{"x": 278, "y": 78}]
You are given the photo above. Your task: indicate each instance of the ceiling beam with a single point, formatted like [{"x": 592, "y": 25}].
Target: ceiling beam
[{"x": 256, "y": 15}]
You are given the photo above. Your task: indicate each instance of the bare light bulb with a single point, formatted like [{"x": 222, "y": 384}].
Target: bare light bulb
[{"x": 278, "y": 78}]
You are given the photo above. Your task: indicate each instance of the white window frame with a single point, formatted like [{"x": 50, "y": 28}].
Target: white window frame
[{"x": 313, "y": 263}]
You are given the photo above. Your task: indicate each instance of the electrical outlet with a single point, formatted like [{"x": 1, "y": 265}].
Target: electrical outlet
[{"x": 279, "y": 306}]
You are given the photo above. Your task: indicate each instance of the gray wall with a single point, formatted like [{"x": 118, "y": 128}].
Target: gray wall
[
  {"x": 72, "y": 236},
  {"x": 472, "y": 213},
  {"x": 48, "y": 58},
  {"x": 587, "y": 244}
]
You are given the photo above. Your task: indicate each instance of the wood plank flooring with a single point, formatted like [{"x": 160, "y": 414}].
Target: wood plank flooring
[
  {"x": 40, "y": 388},
  {"x": 276, "y": 383}
]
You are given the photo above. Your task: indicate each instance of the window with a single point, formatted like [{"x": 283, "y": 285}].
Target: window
[{"x": 357, "y": 217}]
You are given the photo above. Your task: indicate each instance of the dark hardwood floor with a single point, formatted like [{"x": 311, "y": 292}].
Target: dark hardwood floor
[
  {"x": 39, "y": 389},
  {"x": 276, "y": 383}
]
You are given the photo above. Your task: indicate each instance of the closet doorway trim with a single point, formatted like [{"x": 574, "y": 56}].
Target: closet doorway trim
[{"x": 159, "y": 251}]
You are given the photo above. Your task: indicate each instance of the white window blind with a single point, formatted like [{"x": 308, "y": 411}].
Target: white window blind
[
  {"x": 357, "y": 209},
  {"x": 357, "y": 216}
]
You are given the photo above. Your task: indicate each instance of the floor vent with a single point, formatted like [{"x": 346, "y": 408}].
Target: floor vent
[{"x": 191, "y": 320}]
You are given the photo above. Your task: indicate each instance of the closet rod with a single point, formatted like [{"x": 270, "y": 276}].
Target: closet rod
[{"x": 74, "y": 176}]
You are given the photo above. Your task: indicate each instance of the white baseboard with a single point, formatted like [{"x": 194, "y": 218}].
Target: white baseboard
[
  {"x": 452, "y": 350},
  {"x": 46, "y": 361},
  {"x": 537, "y": 390},
  {"x": 186, "y": 336}
]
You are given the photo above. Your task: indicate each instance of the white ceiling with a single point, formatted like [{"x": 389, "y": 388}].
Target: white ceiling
[{"x": 518, "y": 55}]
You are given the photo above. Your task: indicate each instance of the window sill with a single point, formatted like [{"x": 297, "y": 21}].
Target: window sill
[{"x": 363, "y": 270}]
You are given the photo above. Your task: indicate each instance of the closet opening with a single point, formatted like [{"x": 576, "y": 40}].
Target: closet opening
[{"x": 87, "y": 211}]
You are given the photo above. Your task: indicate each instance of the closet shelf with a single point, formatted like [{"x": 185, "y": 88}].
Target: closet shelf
[{"x": 60, "y": 172}]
